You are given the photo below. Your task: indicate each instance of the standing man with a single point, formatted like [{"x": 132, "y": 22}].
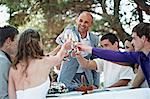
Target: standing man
[
  {"x": 7, "y": 48},
  {"x": 115, "y": 75},
  {"x": 141, "y": 56},
  {"x": 71, "y": 71}
]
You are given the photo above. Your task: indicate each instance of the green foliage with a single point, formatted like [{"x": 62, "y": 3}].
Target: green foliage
[
  {"x": 50, "y": 16},
  {"x": 36, "y": 21},
  {"x": 98, "y": 24}
]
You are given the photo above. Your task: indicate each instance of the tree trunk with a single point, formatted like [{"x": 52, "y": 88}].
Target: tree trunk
[{"x": 120, "y": 31}]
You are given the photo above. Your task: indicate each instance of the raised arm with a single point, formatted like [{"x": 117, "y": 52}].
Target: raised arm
[
  {"x": 53, "y": 60},
  {"x": 114, "y": 56},
  {"x": 55, "y": 50},
  {"x": 89, "y": 64}
]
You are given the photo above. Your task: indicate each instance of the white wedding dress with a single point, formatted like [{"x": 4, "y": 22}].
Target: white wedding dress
[{"x": 38, "y": 92}]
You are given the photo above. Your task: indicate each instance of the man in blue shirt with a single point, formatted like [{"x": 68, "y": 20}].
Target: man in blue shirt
[
  {"x": 141, "y": 42},
  {"x": 8, "y": 42}
]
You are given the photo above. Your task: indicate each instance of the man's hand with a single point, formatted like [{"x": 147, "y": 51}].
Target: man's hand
[
  {"x": 83, "y": 47},
  {"x": 67, "y": 45}
]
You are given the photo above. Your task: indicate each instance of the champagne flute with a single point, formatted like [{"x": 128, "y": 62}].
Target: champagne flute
[
  {"x": 74, "y": 39},
  {"x": 68, "y": 35}
]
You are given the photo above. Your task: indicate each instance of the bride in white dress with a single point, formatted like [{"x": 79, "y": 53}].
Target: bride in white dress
[{"x": 28, "y": 76}]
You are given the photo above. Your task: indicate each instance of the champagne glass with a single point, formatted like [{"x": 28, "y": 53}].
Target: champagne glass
[
  {"x": 71, "y": 36},
  {"x": 74, "y": 39},
  {"x": 67, "y": 36}
]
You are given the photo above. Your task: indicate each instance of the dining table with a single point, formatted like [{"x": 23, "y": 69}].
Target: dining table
[{"x": 108, "y": 93}]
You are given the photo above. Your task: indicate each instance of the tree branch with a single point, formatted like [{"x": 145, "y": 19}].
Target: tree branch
[
  {"x": 116, "y": 7},
  {"x": 95, "y": 12},
  {"x": 143, "y": 6},
  {"x": 104, "y": 6}
]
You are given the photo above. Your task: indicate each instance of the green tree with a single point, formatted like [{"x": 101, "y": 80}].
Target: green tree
[{"x": 58, "y": 13}]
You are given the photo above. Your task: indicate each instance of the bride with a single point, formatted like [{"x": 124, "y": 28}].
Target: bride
[{"x": 28, "y": 76}]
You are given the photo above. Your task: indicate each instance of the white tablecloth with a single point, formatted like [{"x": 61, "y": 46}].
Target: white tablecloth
[{"x": 142, "y": 93}]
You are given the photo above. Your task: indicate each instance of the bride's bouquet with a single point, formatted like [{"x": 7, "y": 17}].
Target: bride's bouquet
[{"x": 57, "y": 87}]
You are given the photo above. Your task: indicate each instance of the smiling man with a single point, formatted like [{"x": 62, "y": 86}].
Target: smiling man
[{"x": 71, "y": 71}]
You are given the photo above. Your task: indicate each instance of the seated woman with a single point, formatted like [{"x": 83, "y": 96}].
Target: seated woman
[
  {"x": 130, "y": 48},
  {"x": 28, "y": 76}
]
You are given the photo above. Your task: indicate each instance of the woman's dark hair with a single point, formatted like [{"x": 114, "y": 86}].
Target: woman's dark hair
[
  {"x": 129, "y": 38},
  {"x": 28, "y": 47}
]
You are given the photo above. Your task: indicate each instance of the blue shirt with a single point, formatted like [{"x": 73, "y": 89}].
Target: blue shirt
[{"x": 128, "y": 57}]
